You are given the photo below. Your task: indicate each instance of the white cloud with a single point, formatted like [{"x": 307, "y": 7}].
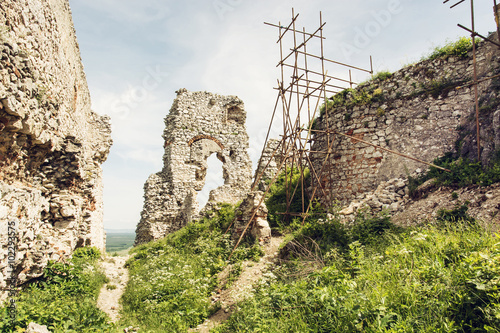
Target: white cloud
[
  {"x": 235, "y": 54},
  {"x": 131, "y": 11}
]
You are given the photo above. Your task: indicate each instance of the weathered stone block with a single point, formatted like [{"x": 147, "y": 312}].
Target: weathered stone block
[{"x": 170, "y": 195}]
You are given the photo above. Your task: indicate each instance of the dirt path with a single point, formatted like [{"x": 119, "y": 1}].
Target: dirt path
[
  {"x": 241, "y": 288},
  {"x": 109, "y": 296}
]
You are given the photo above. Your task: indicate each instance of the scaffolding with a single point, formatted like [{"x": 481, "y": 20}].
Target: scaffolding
[
  {"x": 306, "y": 77},
  {"x": 475, "y": 82}
]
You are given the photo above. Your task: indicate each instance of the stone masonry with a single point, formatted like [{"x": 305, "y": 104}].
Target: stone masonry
[
  {"x": 199, "y": 124},
  {"x": 259, "y": 227},
  {"x": 269, "y": 163},
  {"x": 52, "y": 144},
  {"x": 423, "y": 110}
]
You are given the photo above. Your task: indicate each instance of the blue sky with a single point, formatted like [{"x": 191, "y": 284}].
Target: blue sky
[{"x": 136, "y": 54}]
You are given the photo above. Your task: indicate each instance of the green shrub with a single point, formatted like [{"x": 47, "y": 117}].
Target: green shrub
[
  {"x": 455, "y": 215},
  {"x": 464, "y": 172},
  {"x": 382, "y": 76},
  {"x": 276, "y": 201},
  {"x": 64, "y": 298},
  {"x": 426, "y": 280},
  {"x": 171, "y": 279},
  {"x": 459, "y": 48},
  {"x": 316, "y": 235},
  {"x": 368, "y": 228},
  {"x": 90, "y": 253}
]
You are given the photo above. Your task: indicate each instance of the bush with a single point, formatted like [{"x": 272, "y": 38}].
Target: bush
[
  {"x": 276, "y": 200},
  {"x": 368, "y": 228},
  {"x": 459, "y": 48},
  {"x": 464, "y": 172},
  {"x": 90, "y": 253},
  {"x": 322, "y": 236},
  {"x": 382, "y": 76},
  {"x": 456, "y": 215},
  {"x": 171, "y": 279},
  {"x": 64, "y": 298},
  {"x": 426, "y": 280}
]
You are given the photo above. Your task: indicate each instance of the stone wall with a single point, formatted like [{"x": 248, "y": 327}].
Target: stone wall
[
  {"x": 423, "y": 110},
  {"x": 269, "y": 162},
  {"x": 52, "y": 144},
  {"x": 199, "y": 124}
]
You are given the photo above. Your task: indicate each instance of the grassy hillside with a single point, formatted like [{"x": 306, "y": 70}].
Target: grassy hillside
[
  {"x": 427, "y": 279},
  {"x": 64, "y": 298},
  {"x": 116, "y": 242}
]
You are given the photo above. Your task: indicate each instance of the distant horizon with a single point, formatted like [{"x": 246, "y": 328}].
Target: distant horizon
[{"x": 117, "y": 230}]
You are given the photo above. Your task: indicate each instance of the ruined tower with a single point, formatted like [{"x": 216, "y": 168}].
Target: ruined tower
[{"x": 199, "y": 124}]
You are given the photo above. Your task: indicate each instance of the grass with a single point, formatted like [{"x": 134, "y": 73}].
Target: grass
[
  {"x": 276, "y": 201},
  {"x": 459, "y": 48},
  {"x": 426, "y": 279},
  {"x": 116, "y": 242},
  {"x": 172, "y": 279},
  {"x": 382, "y": 76},
  {"x": 464, "y": 172},
  {"x": 64, "y": 298}
]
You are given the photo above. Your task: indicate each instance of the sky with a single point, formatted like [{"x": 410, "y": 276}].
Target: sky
[{"x": 136, "y": 54}]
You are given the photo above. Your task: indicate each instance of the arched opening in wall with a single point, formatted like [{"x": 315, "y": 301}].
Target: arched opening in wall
[{"x": 213, "y": 179}]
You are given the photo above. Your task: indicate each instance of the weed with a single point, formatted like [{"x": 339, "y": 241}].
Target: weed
[
  {"x": 382, "y": 76},
  {"x": 464, "y": 172},
  {"x": 454, "y": 195},
  {"x": 456, "y": 215},
  {"x": 111, "y": 286},
  {"x": 368, "y": 228},
  {"x": 424, "y": 280},
  {"x": 380, "y": 112},
  {"x": 288, "y": 181},
  {"x": 172, "y": 279},
  {"x": 234, "y": 274},
  {"x": 64, "y": 298},
  {"x": 459, "y": 48}
]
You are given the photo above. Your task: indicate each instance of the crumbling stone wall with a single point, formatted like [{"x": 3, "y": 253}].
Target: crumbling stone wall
[
  {"x": 252, "y": 206},
  {"x": 52, "y": 144},
  {"x": 199, "y": 124},
  {"x": 269, "y": 162},
  {"x": 420, "y": 111}
]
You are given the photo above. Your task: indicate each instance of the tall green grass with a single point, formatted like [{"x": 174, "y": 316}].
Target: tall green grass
[
  {"x": 171, "y": 280},
  {"x": 64, "y": 298},
  {"x": 429, "y": 279}
]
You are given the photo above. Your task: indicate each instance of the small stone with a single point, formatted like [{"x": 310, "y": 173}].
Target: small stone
[{"x": 36, "y": 328}]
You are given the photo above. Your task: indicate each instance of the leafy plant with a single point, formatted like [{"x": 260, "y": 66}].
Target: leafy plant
[
  {"x": 425, "y": 280},
  {"x": 368, "y": 228},
  {"x": 64, "y": 298},
  {"x": 171, "y": 279},
  {"x": 457, "y": 214},
  {"x": 91, "y": 253},
  {"x": 459, "y": 48},
  {"x": 288, "y": 181},
  {"x": 382, "y": 76},
  {"x": 464, "y": 172}
]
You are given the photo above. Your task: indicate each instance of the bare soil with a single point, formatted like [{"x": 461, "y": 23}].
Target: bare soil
[
  {"x": 242, "y": 287},
  {"x": 109, "y": 296}
]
